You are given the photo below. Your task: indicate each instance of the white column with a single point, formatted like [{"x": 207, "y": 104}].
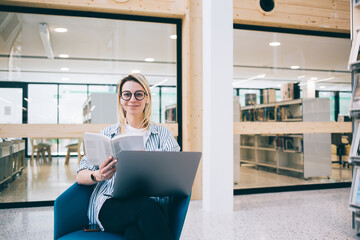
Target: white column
[
  {"x": 309, "y": 89},
  {"x": 218, "y": 105}
]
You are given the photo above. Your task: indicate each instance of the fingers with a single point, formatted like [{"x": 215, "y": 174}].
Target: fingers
[
  {"x": 110, "y": 165},
  {"x": 106, "y": 162},
  {"x": 105, "y": 175}
]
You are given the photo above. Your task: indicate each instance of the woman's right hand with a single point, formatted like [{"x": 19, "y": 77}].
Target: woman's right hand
[{"x": 106, "y": 170}]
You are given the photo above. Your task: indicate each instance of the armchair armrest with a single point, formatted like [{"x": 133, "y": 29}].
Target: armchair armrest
[
  {"x": 177, "y": 214},
  {"x": 70, "y": 209}
]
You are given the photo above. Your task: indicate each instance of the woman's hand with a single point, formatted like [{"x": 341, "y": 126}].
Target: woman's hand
[{"x": 106, "y": 170}]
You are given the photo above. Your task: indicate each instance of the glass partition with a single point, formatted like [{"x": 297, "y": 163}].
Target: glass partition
[
  {"x": 290, "y": 77},
  {"x": 62, "y": 61}
]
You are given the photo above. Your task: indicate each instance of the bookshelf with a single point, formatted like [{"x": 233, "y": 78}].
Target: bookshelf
[
  {"x": 289, "y": 153},
  {"x": 100, "y": 108}
]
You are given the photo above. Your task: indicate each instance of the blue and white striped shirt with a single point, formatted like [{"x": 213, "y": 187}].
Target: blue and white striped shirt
[{"x": 159, "y": 138}]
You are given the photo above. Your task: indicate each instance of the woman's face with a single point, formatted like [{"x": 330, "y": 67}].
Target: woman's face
[{"x": 134, "y": 106}]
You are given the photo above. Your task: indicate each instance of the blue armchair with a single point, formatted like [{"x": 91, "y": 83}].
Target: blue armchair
[{"x": 70, "y": 214}]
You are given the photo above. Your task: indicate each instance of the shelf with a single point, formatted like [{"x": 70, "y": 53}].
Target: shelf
[
  {"x": 247, "y": 147},
  {"x": 266, "y": 149},
  {"x": 275, "y": 104},
  {"x": 248, "y": 161},
  {"x": 292, "y": 169},
  {"x": 292, "y": 151},
  {"x": 292, "y": 120},
  {"x": 267, "y": 165}
]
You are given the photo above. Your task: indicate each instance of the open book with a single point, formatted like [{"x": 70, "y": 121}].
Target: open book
[{"x": 98, "y": 147}]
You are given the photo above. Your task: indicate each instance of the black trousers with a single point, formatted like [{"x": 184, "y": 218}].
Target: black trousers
[{"x": 136, "y": 218}]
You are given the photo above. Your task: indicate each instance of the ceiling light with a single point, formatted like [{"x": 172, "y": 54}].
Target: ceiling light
[
  {"x": 322, "y": 87},
  {"x": 274, "y": 44},
  {"x": 64, "y": 69},
  {"x": 302, "y": 76},
  {"x": 149, "y": 59},
  {"x": 314, "y": 78},
  {"x": 136, "y": 71},
  {"x": 64, "y": 55},
  {"x": 173, "y": 36},
  {"x": 295, "y": 67},
  {"x": 60, "y": 30},
  {"x": 45, "y": 38}
]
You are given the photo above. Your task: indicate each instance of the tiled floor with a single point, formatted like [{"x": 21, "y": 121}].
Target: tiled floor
[{"x": 321, "y": 214}]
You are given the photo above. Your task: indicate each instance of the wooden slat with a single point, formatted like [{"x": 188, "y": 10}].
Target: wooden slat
[
  {"x": 291, "y": 127},
  {"x": 159, "y": 8},
  {"x": 57, "y": 130},
  {"x": 320, "y": 15}
]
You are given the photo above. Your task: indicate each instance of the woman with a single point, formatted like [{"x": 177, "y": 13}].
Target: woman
[{"x": 140, "y": 217}]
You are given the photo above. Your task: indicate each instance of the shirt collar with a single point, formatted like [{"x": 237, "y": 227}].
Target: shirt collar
[{"x": 152, "y": 129}]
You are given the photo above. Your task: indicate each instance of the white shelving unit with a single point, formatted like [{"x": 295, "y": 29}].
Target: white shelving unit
[
  {"x": 291, "y": 152},
  {"x": 100, "y": 108}
]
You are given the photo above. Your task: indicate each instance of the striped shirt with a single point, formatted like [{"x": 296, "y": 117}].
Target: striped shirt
[{"x": 158, "y": 138}]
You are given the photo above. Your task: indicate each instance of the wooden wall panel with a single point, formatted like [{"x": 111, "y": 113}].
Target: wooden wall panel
[
  {"x": 320, "y": 15},
  {"x": 158, "y": 8},
  {"x": 192, "y": 86}
]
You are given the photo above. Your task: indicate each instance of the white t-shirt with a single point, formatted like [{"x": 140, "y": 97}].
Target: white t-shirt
[{"x": 136, "y": 131}]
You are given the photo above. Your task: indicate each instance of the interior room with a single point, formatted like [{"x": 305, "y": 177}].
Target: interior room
[{"x": 266, "y": 90}]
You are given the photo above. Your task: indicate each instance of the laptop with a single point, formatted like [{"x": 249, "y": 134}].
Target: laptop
[{"x": 146, "y": 173}]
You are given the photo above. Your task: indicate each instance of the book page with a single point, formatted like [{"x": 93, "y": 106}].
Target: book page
[
  {"x": 127, "y": 142},
  {"x": 97, "y": 148}
]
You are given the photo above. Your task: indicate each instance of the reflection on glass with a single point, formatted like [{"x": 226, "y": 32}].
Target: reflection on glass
[
  {"x": 345, "y": 99},
  {"x": 168, "y": 101},
  {"x": 155, "y": 105},
  {"x": 11, "y": 105},
  {"x": 331, "y": 96}
]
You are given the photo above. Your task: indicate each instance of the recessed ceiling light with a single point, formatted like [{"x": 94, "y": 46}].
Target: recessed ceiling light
[
  {"x": 279, "y": 85},
  {"x": 136, "y": 71},
  {"x": 149, "y": 59},
  {"x": 173, "y": 36},
  {"x": 302, "y": 76},
  {"x": 61, "y": 30},
  {"x": 64, "y": 69},
  {"x": 314, "y": 78},
  {"x": 64, "y": 78},
  {"x": 64, "y": 55},
  {"x": 295, "y": 67},
  {"x": 274, "y": 44},
  {"x": 322, "y": 87}
]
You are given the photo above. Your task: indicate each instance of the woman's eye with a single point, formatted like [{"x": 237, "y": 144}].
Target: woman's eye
[
  {"x": 126, "y": 95},
  {"x": 139, "y": 94}
]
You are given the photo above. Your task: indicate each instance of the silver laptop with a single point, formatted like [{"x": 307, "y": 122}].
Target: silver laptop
[{"x": 144, "y": 173}]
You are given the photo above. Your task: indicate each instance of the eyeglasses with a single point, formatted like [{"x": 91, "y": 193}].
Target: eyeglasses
[{"x": 139, "y": 95}]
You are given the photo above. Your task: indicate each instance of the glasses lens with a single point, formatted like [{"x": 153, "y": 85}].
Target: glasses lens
[
  {"x": 126, "y": 95},
  {"x": 139, "y": 95}
]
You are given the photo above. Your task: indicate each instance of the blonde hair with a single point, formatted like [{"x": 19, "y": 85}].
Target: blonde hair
[{"x": 138, "y": 78}]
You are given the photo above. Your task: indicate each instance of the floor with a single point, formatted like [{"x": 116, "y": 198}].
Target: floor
[
  {"x": 44, "y": 181},
  {"x": 320, "y": 214}
]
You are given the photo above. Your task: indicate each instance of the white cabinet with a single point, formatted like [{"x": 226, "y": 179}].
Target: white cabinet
[{"x": 100, "y": 108}]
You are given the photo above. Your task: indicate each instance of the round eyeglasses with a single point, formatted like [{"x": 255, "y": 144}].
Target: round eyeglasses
[{"x": 139, "y": 95}]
